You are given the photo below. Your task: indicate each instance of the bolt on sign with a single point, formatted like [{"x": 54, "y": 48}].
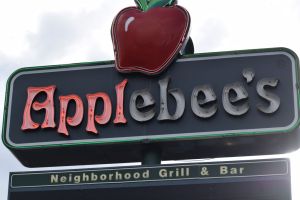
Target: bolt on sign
[{"x": 214, "y": 104}]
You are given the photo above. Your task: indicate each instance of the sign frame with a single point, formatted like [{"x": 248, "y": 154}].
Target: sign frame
[{"x": 184, "y": 136}]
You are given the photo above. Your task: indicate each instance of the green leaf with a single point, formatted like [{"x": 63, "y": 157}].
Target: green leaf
[
  {"x": 159, "y": 3},
  {"x": 142, "y": 4},
  {"x": 148, "y": 4}
]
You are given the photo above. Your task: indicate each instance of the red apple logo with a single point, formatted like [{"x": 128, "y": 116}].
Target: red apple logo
[{"x": 149, "y": 37}]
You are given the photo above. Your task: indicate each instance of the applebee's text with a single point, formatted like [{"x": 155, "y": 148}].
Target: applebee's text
[{"x": 203, "y": 100}]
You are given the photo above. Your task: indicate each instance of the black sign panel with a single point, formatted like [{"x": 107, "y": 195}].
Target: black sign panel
[
  {"x": 262, "y": 179},
  {"x": 198, "y": 101}
]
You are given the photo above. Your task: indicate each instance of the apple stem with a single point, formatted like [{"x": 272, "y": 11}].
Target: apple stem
[{"x": 146, "y": 5}]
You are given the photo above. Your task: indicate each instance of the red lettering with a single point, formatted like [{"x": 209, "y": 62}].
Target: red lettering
[
  {"x": 48, "y": 105},
  {"x": 100, "y": 119},
  {"x": 72, "y": 121},
  {"x": 120, "y": 119}
]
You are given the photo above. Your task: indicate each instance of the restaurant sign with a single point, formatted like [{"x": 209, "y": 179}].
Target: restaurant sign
[
  {"x": 242, "y": 101},
  {"x": 255, "y": 179}
]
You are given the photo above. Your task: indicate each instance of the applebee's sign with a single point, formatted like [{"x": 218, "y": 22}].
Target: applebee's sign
[
  {"x": 197, "y": 106},
  {"x": 201, "y": 104}
]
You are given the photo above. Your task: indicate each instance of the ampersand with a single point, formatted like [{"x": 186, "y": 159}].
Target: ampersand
[{"x": 204, "y": 171}]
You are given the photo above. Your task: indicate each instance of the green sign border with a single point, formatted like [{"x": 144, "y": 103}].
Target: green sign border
[{"x": 157, "y": 139}]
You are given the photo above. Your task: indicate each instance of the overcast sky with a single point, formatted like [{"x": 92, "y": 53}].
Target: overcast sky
[{"x": 44, "y": 32}]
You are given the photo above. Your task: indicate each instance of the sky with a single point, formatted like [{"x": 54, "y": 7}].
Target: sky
[{"x": 45, "y": 32}]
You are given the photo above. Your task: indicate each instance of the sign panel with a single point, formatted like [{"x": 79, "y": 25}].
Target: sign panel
[
  {"x": 200, "y": 98},
  {"x": 261, "y": 179}
]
